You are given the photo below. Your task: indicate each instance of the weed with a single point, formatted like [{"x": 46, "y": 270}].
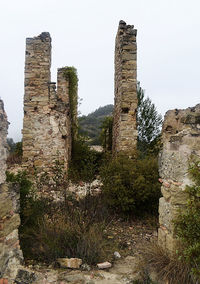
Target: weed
[{"x": 167, "y": 267}]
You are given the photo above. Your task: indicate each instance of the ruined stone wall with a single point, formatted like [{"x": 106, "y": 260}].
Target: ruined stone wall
[
  {"x": 46, "y": 128},
  {"x": 3, "y": 143},
  {"x": 124, "y": 126},
  {"x": 10, "y": 253},
  {"x": 181, "y": 140}
]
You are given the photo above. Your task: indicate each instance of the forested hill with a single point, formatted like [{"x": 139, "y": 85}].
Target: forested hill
[{"x": 90, "y": 124}]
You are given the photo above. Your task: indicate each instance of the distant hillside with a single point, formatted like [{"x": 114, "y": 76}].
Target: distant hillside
[{"x": 90, "y": 124}]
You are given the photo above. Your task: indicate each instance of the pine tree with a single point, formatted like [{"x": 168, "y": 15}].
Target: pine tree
[{"x": 149, "y": 123}]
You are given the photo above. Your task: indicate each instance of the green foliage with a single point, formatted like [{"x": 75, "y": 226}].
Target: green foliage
[
  {"x": 149, "y": 123},
  {"x": 188, "y": 223},
  {"x": 31, "y": 208},
  {"x": 106, "y": 133},
  {"x": 26, "y": 194},
  {"x": 15, "y": 152},
  {"x": 50, "y": 230},
  {"x": 84, "y": 163},
  {"x": 11, "y": 144},
  {"x": 130, "y": 185},
  {"x": 71, "y": 75},
  {"x": 18, "y": 149},
  {"x": 90, "y": 124}
]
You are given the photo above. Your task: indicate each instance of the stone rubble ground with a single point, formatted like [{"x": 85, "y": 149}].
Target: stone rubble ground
[{"x": 124, "y": 271}]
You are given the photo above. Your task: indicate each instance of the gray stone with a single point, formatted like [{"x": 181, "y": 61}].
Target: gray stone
[
  {"x": 181, "y": 142},
  {"x": 117, "y": 255},
  {"x": 104, "y": 265},
  {"x": 25, "y": 277},
  {"x": 124, "y": 124}
]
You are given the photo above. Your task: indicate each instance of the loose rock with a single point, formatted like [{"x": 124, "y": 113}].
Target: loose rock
[
  {"x": 74, "y": 263},
  {"x": 117, "y": 254},
  {"x": 104, "y": 265}
]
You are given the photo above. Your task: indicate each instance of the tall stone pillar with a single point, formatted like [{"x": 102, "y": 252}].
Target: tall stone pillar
[
  {"x": 46, "y": 128},
  {"x": 10, "y": 253},
  {"x": 181, "y": 141},
  {"x": 125, "y": 106},
  {"x": 36, "y": 98},
  {"x": 3, "y": 143},
  {"x": 63, "y": 95}
]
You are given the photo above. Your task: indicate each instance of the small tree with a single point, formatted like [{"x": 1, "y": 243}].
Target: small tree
[
  {"x": 149, "y": 122},
  {"x": 11, "y": 144}
]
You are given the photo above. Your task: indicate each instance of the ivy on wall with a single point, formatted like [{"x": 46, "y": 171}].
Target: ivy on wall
[{"x": 71, "y": 76}]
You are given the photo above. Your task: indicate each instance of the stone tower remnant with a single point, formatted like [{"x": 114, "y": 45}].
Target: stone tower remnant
[
  {"x": 10, "y": 253},
  {"x": 181, "y": 142},
  {"x": 47, "y": 118},
  {"x": 3, "y": 143},
  {"x": 124, "y": 125}
]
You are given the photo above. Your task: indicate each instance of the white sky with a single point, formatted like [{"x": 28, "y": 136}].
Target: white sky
[{"x": 83, "y": 34}]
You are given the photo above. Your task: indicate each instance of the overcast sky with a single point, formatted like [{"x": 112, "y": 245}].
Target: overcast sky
[{"x": 83, "y": 35}]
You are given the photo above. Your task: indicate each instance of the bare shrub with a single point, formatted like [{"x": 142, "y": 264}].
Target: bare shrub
[{"x": 168, "y": 267}]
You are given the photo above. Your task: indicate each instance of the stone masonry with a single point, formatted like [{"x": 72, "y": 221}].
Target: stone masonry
[
  {"x": 125, "y": 126},
  {"x": 3, "y": 143},
  {"x": 181, "y": 142},
  {"x": 10, "y": 253},
  {"x": 47, "y": 119}
]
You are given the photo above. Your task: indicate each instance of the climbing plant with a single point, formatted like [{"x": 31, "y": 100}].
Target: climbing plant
[{"x": 72, "y": 77}]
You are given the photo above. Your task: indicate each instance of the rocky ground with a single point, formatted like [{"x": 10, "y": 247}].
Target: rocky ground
[{"x": 128, "y": 235}]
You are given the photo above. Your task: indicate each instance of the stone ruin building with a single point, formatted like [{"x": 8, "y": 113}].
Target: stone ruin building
[
  {"x": 10, "y": 253},
  {"x": 46, "y": 137},
  {"x": 181, "y": 143},
  {"x": 47, "y": 130},
  {"x": 47, "y": 115},
  {"x": 125, "y": 107}
]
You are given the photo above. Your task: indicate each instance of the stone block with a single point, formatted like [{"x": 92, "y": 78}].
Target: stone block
[
  {"x": 9, "y": 224},
  {"x": 74, "y": 263},
  {"x": 162, "y": 232},
  {"x": 166, "y": 193},
  {"x": 178, "y": 196},
  {"x": 165, "y": 213},
  {"x": 172, "y": 243},
  {"x": 38, "y": 163},
  {"x": 104, "y": 265}
]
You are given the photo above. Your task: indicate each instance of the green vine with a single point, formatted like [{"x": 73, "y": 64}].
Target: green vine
[{"x": 70, "y": 74}]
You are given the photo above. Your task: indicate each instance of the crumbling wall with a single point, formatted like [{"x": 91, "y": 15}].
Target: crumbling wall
[
  {"x": 10, "y": 253},
  {"x": 3, "y": 143},
  {"x": 47, "y": 124},
  {"x": 125, "y": 126},
  {"x": 181, "y": 141}
]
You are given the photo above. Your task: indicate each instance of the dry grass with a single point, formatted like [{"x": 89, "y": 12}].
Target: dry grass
[
  {"x": 168, "y": 268},
  {"x": 74, "y": 229}
]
